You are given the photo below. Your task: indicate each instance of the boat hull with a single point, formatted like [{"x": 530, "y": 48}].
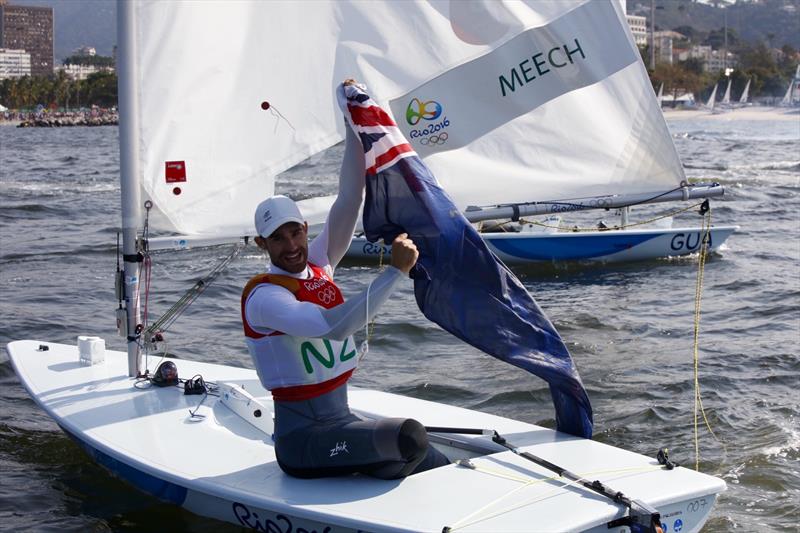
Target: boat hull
[
  {"x": 220, "y": 466},
  {"x": 601, "y": 246}
]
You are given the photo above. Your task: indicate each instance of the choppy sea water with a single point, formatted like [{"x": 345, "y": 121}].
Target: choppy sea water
[{"x": 629, "y": 328}]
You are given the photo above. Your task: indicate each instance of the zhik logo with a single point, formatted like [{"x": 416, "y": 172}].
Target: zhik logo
[{"x": 340, "y": 447}]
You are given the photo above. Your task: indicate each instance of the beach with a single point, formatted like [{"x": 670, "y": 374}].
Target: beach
[{"x": 740, "y": 113}]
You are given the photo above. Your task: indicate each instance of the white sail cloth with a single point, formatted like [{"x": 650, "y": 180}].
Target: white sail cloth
[{"x": 578, "y": 117}]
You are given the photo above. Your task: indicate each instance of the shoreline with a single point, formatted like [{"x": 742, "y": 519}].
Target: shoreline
[
  {"x": 95, "y": 116},
  {"x": 740, "y": 113},
  {"x": 757, "y": 113}
]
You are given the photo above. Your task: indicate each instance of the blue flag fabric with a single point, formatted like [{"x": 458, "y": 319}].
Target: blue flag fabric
[{"x": 458, "y": 282}]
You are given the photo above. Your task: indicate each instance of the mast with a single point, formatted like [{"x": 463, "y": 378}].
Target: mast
[{"x": 129, "y": 174}]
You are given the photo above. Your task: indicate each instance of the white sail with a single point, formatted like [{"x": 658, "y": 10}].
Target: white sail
[
  {"x": 534, "y": 103},
  {"x": 660, "y": 96},
  {"x": 745, "y": 93},
  {"x": 787, "y": 98},
  {"x": 727, "y": 98},
  {"x": 794, "y": 84},
  {"x": 712, "y": 99}
]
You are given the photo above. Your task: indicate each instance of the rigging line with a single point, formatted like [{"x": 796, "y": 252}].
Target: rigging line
[
  {"x": 464, "y": 522},
  {"x": 522, "y": 479},
  {"x": 583, "y": 206},
  {"x": 643, "y": 222},
  {"x": 639, "y": 512},
  {"x": 169, "y": 317},
  {"x": 146, "y": 269},
  {"x": 698, "y": 400},
  {"x": 369, "y": 326},
  {"x": 365, "y": 344},
  {"x": 475, "y": 517}
]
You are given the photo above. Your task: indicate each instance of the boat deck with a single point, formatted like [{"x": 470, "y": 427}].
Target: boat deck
[{"x": 221, "y": 466}]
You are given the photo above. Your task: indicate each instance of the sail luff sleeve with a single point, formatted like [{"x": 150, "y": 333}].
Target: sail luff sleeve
[{"x": 458, "y": 282}]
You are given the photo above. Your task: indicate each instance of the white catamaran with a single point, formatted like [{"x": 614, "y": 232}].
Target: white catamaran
[{"x": 193, "y": 166}]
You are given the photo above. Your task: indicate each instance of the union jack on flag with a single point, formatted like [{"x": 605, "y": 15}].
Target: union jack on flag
[
  {"x": 458, "y": 282},
  {"x": 383, "y": 142}
]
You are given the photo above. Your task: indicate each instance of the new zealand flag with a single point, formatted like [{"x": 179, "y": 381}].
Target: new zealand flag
[{"x": 458, "y": 282}]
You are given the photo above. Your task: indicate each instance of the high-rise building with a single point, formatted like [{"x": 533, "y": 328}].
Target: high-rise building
[
  {"x": 14, "y": 63},
  {"x": 638, "y": 27},
  {"x": 30, "y": 29}
]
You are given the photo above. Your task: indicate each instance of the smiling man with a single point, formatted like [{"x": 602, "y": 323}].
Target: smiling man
[{"x": 298, "y": 329}]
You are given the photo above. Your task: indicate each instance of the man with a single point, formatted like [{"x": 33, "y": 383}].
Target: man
[{"x": 299, "y": 330}]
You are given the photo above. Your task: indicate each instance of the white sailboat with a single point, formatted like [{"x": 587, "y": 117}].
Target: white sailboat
[
  {"x": 545, "y": 169},
  {"x": 743, "y": 100},
  {"x": 660, "y": 96},
  {"x": 792, "y": 95},
  {"x": 712, "y": 99},
  {"x": 192, "y": 166},
  {"x": 726, "y": 99}
]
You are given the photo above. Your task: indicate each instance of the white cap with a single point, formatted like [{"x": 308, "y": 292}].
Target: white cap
[{"x": 274, "y": 212}]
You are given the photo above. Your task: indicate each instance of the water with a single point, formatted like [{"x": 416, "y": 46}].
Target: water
[{"x": 629, "y": 328}]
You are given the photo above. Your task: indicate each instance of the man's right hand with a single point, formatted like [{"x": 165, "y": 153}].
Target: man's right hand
[{"x": 404, "y": 253}]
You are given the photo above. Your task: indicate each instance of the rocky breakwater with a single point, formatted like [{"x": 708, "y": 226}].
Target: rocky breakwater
[{"x": 59, "y": 120}]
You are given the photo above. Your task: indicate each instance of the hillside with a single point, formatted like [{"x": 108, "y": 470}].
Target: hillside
[{"x": 774, "y": 22}]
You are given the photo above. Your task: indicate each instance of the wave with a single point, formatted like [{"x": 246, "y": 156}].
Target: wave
[
  {"x": 717, "y": 166},
  {"x": 51, "y": 189},
  {"x": 793, "y": 166},
  {"x": 783, "y": 165}
]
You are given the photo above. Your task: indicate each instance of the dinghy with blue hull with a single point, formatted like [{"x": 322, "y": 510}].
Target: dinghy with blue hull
[{"x": 147, "y": 436}]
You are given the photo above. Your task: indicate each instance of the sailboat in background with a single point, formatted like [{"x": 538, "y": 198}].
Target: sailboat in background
[
  {"x": 712, "y": 100},
  {"x": 660, "y": 96},
  {"x": 726, "y": 99},
  {"x": 743, "y": 100},
  {"x": 792, "y": 96},
  {"x": 520, "y": 158},
  {"x": 193, "y": 168}
]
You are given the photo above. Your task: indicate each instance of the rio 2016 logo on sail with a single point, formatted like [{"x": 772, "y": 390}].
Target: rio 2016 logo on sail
[{"x": 431, "y": 110}]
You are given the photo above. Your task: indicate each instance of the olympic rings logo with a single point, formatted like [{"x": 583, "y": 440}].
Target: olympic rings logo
[
  {"x": 327, "y": 295},
  {"x": 434, "y": 139},
  {"x": 417, "y": 110}
]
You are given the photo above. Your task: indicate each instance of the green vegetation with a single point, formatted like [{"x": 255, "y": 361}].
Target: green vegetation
[
  {"x": 769, "y": 76},
  {"x": 59, "y": 91},
  {"x": 763, "y": 35}
]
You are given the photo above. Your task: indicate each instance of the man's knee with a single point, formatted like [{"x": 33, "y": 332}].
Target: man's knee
[{"x": 412, "y": 441}]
